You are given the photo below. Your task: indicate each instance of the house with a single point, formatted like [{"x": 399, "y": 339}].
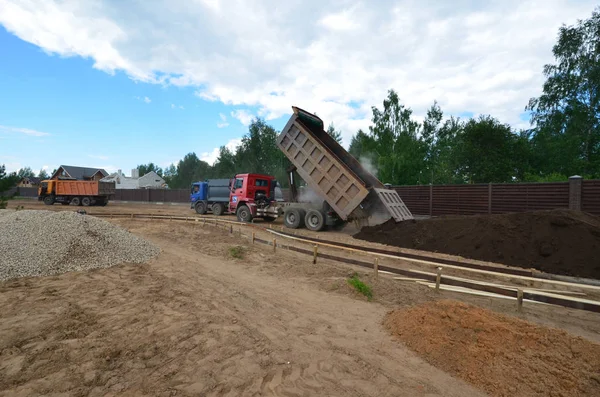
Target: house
[
  {"x": 29, "y": 182},
  {"x": 149, "y": 181},
  {"x": 79, "y": 173}
]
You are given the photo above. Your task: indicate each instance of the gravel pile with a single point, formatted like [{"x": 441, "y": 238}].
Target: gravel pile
[{"x": 41, "y": 243}]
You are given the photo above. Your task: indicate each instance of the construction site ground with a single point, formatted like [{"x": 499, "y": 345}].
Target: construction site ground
[{"x": 198, "y": 320}]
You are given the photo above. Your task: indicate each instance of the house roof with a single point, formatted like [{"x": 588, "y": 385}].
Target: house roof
[
  {"x": 80, "y": 172},
  {"x": 33, "y": 180}
]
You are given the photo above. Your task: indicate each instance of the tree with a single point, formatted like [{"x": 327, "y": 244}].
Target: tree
[
  {"x": 225, "y": 166},
  {"x": 25, "y": 173},
  {"x": 566, "y": 117},
  {"x": 337, "y": 135},
  {"x": 7, "y": 181},
  {"x": 399, "y": 152},
  {"x": 169, "y": 174},
  {"x": 146, "y": 168},
  {"x": 43, "y": 174},
  {"x": 486, "y": 151}
]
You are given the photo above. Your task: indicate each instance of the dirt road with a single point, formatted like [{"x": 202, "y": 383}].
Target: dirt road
[
  {"x": 195, "y": 322},
  {"x": 198, "y": 322}
]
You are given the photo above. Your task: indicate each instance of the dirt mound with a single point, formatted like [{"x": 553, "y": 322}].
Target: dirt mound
[
  {"x": 502, "y": 355},
  {"x": 558, "y": 241},
  {"x": 41, "y": 243}
]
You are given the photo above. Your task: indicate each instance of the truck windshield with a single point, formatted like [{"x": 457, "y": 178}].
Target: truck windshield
[{"x": 195, "y": 188}]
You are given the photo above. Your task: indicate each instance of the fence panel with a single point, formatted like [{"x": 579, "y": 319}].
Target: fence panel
[
  {"x": 521, "y": 197},
  {"x": 416, "y": 198},
  {"x": 590, "y": 197},
  {"x": 460, "y": 199}
]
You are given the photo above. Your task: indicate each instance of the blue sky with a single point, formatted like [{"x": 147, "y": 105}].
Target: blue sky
[
  {"x": 89, "y": 117},
  {"x": 116, "y": 84}
]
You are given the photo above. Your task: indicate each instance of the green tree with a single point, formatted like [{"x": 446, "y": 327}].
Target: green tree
[
  {"x": 259, "y": 153},
  {"x": 335, "y": 134},
  {"x": 146, "y": 168},
  {"x": 43, "y": 174},
  {"x": 169, "y": 174},
  {"x": 7, "y": 181},
  {"x": 225, "y": 166},
  {"x": 566, "y": 117},
  {"x": 25, "y": 173},
  {"x": 400, "y": 153},
  {"x": 486, "y": 151}
]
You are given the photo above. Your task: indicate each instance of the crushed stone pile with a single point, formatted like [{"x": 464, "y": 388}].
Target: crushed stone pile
[
  {"x": 558, "y": 241},
  {"x": 41, "y": 243},
  {"x": 502, "y": 355}
]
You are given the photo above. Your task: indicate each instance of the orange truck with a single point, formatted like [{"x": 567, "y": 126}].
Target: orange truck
[{"x": 75, "y": 192}]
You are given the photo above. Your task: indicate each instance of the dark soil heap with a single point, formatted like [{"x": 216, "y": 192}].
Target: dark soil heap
[
  {"x": 502, "y": 355},
  {"x": 558, "y": 241}
]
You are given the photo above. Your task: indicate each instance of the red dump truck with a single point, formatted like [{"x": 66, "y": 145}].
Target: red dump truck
[{"x": 70, "y": 191}]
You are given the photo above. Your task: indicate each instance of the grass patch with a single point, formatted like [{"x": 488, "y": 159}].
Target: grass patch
[
  {"x": 237, "y": 252},
  {"x": 360, "y": 286}
]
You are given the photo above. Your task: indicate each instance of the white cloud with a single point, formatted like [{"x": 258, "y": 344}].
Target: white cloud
[
  {"x": 145, "y": 99},
  {"x": 173, "y": 106},
  {"x": 211, "y": 157},
  {"x": 481, "y": 57},
  {"x": 243, "y": 116},
  {"x": 25, "y": 131},
  {"x": 223, "y": 123}
]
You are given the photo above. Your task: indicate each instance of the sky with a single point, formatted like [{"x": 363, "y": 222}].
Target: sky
[{"x": 114, "y": 84}]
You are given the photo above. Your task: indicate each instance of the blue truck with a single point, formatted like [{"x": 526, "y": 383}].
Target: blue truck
[{"x": 211, "y": 194}]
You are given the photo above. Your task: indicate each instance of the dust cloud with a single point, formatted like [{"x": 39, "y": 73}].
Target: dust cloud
[{"x": 367, "y": 164}]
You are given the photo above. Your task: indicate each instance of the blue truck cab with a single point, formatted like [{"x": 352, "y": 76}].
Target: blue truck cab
[{"x": 211, "y": 194}]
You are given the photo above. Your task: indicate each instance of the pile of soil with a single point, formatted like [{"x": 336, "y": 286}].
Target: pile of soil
[
  {"x": 502, "y": 355},
  {"x": 558, "y": 241}
]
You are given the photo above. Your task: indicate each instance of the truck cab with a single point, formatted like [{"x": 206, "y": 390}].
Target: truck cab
[{"x": 251, "y": 197}]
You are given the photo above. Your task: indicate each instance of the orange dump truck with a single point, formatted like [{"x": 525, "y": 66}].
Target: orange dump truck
[{"x": 75, "y": 192}]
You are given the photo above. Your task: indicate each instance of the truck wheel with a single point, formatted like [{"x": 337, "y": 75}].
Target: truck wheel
[
  {"x": 314, "y": 220},
  {"x": 49, "y": 200},
  {"x": 218, "y": 209},
  {"x": 200, "y": 208},
  {"x": 293, "y": 218},
  {"x": 86, "y": 201},
  {"x": 76, "y": 201},
  {"x": 244, "y": 214}
]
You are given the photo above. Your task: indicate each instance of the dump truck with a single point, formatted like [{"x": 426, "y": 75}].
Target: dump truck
[
  {"x": 340, "y": 188},
  {"x": 343, "y": 189},
  {"x": 75, "y": 192},
  {"x": 211, "y": 194}
]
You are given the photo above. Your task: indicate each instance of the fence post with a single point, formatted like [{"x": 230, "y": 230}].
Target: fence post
[
  {"x": 490, "y": 198},
  {"x": 430, "y": 199},
  {"x": 575, "y": 186}
]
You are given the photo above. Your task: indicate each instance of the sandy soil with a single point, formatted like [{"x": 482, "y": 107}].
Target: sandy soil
[
  {"x": 197, "y": 321},
  {"x": 502, "y": 355}
]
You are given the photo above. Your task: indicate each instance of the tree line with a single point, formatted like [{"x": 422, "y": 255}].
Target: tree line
[{"x": 564, "y": 138}]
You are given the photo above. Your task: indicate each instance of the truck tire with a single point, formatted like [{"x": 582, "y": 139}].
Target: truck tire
[
  {"x": 293, "y": 218},
  {"x": 243, "y": 214},
  {"x": 314, "y": 220},
  {"x": 218, "y": 209},
  {"x": 200, "y": 208},
  {"x": 49, "y": 200},
  {"x": 86, "y": 201},
  {"x": 76, "y": 201}
]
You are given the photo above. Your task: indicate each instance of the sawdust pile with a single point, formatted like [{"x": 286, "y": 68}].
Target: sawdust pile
[
  {"x": 502, "y": 355},
  {"x": 558, "y": 241}
]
